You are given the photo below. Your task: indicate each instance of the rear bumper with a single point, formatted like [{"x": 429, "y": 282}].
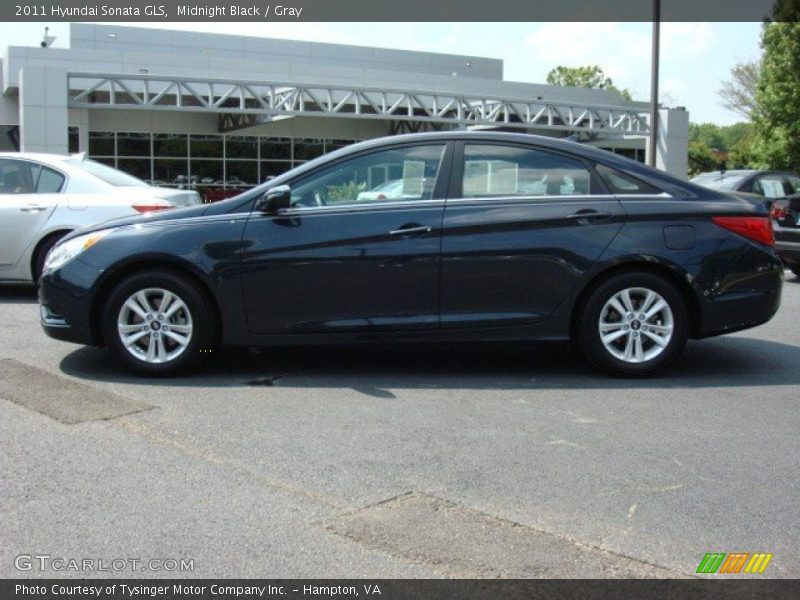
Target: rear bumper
[
  {"x": 745, "y": 297},
  {"x": 65, "y": 303}
]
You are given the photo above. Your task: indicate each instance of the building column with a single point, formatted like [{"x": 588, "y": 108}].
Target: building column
[
  {"x": 672, "y": 143},
  {"x": 43, "y": 114}
]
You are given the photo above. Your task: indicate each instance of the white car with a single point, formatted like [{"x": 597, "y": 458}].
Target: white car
[{"x": 45, "y": 196}]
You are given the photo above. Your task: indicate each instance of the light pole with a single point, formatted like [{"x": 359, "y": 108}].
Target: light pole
[{"x": 654, "y": 82}]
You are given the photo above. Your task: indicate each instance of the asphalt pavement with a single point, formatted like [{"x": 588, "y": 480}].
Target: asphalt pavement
[{"x": 497, "y": 461}]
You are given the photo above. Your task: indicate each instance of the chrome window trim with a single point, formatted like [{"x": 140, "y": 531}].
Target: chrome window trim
[{"x": 355, "y": 207}]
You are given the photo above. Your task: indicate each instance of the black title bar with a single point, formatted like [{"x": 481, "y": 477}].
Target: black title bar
[
  {"x": 393, "y": 589},
  {"x": 402, "y": 11}
]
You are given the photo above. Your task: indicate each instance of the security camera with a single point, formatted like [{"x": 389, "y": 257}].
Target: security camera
[{"x": 47, "y": 40}]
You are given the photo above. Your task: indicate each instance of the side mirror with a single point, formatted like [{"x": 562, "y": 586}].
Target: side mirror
[{"x": 275, "y": 200}]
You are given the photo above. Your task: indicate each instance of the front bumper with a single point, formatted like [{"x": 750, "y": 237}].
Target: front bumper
[{"x": 65, "y": 303}]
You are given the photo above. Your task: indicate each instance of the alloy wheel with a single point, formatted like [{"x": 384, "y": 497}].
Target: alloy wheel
[
  {"x": 155, "y": 325},
  {"x": 636, "y": 325}
]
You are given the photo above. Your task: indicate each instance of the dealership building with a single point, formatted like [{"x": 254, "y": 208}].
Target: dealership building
[{"x": 197, "y": 109}]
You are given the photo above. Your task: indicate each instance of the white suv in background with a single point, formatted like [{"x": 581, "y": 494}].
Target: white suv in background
[{"x": 45, "y": 196}]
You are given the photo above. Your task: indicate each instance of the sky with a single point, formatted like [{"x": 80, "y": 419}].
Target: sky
[{"x": 695, "y": 57}]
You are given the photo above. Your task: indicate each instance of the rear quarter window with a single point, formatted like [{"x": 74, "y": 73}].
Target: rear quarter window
[{"x": 622, "y": 184}]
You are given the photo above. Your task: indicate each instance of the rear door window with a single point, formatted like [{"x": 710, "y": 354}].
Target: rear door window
[
  {"x": 770, "y": 186},
  {"x": 492, "y": 170},
  {"x": 17, "y": 176}
]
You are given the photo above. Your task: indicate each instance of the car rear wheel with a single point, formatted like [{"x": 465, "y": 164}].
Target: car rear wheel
[
  {"x": 158, "y": 323},
  {"x": 633, "y": 324}
]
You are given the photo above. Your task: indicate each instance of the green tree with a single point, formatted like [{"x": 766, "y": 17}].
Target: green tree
[
  {"x": 701, "y": 158},
  {"x": 708, "y": 134},
  {"x": 589, "y": 76},
  {"x": 713, "y": 147},
  {"x": 777, "y": 113}
]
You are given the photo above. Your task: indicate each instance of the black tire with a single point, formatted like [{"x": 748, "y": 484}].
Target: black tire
[
  {"x": 41, "y": 255},
  {"x": 588, "y": 325},
  {"x": 200, "y": 317},
  {"x": 795, "y": 269}
]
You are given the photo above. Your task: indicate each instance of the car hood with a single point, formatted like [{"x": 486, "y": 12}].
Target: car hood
[{"x": 172, "y": 214}]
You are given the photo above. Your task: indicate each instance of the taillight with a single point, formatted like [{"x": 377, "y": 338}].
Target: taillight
[
  {"x": 146, "y": 208},
  {"x": 758, "y": 229},
  {"x": 778, "y": 211}
]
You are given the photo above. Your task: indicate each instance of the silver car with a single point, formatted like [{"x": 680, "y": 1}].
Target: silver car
[{"x": 45, "y": 196}]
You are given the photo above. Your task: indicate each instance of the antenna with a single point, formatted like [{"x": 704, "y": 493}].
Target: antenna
[{"x": 47, "y": 40}]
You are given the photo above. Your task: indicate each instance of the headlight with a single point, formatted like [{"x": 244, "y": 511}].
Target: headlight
[{"x": 66, "y": 251}]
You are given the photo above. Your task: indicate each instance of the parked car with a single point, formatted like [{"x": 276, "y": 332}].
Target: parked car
[
  {"x": 44, "y": 197},
  {"x": 769, "y": 184},
  {"x": 785, "y": 214},
  {"x": 628, "y": 267}
]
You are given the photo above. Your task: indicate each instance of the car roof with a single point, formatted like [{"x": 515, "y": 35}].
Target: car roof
[
  {"x": 40, "y": 156},
  {"x": 659, "y": 178}
]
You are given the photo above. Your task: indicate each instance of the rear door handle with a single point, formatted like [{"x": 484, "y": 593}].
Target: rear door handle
[
  {"x": 33, "y": 208},
  {"x": 584, "y": 217},
  {"x": 412, "y": 230}
]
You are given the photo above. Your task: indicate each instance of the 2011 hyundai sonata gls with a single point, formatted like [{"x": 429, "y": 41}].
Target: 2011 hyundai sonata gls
[{"x": 492, "y": 236}]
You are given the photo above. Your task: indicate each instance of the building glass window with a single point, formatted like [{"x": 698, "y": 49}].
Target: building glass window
[
  {"x": 241, "y": 147},
  {"x": 101, "y": 143},
  {"x": 270, "y": 169},
  {"x": 331, "y": 145},
  {"x": 278, "y": 148},
  {"x": 133, "y": 144},
  {"x": 138, "y": 167},
  {"x": 241, "y": 173},
  {"x": 73, "y": 140},
  {"x": 206, "y": 146},
  {"x": 306, "y": 149},
  {"x": 216, "y": 165},
  {"x": 9, "y": 138},
  {"x": 207, "y": 172},
  {"x": 170, "y": 171},
  {"x": 171, "y": 145}
]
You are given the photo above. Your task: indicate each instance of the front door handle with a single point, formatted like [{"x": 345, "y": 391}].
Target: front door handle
[
  {"x": 587, "y": 216},
  {"x": 412, "y": 229},
  {"x": 33, "y": 208}
]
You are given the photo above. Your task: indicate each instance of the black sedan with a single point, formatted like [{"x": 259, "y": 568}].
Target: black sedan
[
  {"x": 494, "y": 236},
  {"x": 786, "y": 215},
  {"x": 767, "y": 184}
]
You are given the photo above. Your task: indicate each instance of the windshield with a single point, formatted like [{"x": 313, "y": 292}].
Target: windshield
[{"x": 108, "y": 174}]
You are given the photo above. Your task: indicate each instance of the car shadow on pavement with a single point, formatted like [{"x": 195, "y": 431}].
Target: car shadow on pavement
[
  {"x": 732, "y": 361},
  {"x": 18, "y": 293}
]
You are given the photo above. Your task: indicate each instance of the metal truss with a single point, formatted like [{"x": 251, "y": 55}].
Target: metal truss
[{"x": 243, "y": 104}]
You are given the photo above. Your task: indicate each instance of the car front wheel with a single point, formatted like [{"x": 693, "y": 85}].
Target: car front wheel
[
  {"x": 633, "y": 324},
  {"x": 158, "y": 323}
]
